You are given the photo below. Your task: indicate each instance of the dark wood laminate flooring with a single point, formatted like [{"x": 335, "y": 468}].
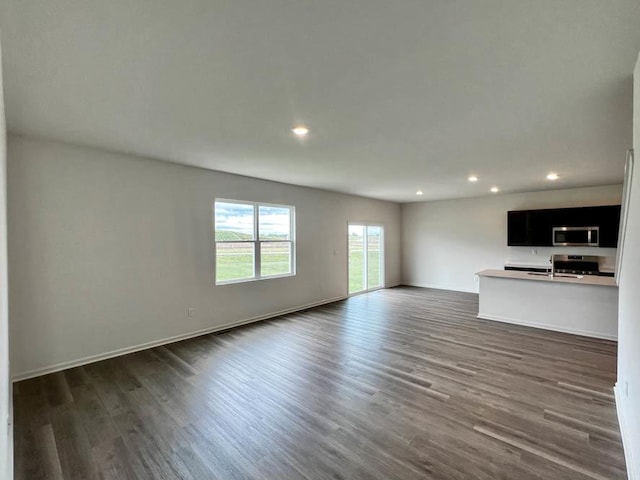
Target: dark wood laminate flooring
[{"x": 402, "y": 383}]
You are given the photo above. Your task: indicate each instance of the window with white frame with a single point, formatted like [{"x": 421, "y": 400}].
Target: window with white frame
[{"x": 253, "y": 241}]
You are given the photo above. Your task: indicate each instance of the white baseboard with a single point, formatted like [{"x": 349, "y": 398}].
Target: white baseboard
[
  {"x": 437, "y": 287},
  {"x": 156, "y": 343},
  {"x": 543, "y": 326},
  {"x": 632, "y": 468}
]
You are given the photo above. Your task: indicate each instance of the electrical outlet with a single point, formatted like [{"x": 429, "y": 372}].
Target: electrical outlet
[
  {"x": 190, "y": 311},
  {"x": 534, "y": 251}
]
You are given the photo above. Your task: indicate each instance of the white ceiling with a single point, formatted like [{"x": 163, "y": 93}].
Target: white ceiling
[{"x": 399, "y": 95}]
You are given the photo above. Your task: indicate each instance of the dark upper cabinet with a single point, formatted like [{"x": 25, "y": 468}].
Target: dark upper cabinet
[
  {"x": 529, "y": 228},
  {"x": 609, "y": 226},
  {"x": 533, "y": 228},
  {"x": 519, "y": 229}
]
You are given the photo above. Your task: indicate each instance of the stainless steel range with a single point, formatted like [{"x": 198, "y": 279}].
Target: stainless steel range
[{"x": 578, "y": 264}]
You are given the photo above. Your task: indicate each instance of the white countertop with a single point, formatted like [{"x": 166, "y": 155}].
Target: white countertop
[{"x": 559, "y": 278}]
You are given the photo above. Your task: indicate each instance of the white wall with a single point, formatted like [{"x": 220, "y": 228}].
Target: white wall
[
  {"x": 628, "y": 386},
  {"x": 107, "y": 251},
  {"x": 445, "y": 242},
  {"x": 6, "y": 433}
]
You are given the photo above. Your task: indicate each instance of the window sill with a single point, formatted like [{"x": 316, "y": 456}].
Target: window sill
[{"x": 255, "y": 279}]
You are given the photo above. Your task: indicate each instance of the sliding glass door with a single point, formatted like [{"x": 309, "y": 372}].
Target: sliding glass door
[{"x": 366, "y": 257}]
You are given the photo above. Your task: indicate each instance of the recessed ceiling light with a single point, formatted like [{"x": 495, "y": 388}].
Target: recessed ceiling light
[
  {"x": 419, "y": 192},
  {"x": 300, "y": 130},
  {"x": 495, "y": 189},
  {"x": 473, "y": 178},
  {"x": 552, "y": 176}
]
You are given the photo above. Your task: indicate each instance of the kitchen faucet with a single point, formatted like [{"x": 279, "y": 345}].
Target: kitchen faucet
[{"x": 552, "y": 271}]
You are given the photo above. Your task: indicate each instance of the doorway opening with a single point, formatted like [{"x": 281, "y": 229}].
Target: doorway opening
[{"x": 366, "y": 257}]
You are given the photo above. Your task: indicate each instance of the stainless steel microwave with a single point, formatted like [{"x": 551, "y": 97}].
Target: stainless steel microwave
[{"x": 576, "y": 236}]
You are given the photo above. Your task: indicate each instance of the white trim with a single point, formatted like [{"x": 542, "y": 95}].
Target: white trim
[
  {"x": 253, "y": 279},
  {"x": 632, "y": 473},
  {"x": 256, "y": 242},
  {"x": 365, "y": 256},
  {"x": 156, "y": 343},
  {"x": 543, "y": 326},
  {"x": 624, "y": 212},
  {"x": 363, "y": 292},
  {"x": 438, "y": 287}
]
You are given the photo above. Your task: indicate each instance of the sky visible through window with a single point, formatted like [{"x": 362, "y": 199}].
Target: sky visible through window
[
  {"x": 240, "y": 256},
  {"x": 237, "y": 218}
]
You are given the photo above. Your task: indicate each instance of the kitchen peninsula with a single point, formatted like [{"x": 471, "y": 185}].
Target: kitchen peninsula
[{"x": 580, "y": 304}]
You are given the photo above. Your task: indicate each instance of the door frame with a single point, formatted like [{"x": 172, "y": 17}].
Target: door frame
[{"x": 365, "y": 248}]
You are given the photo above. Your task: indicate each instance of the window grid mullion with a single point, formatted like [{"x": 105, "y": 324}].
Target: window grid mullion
[
  {"x": 257, "y": 242},
  {"x": 235, "y": 241}
]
